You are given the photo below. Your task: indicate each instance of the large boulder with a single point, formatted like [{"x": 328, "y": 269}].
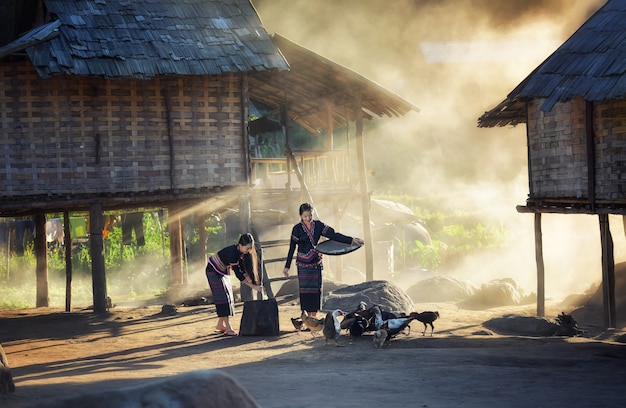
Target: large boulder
[
  {"x": 441, "y": 289},
  {"x": 563, "y": 325},
  {"x": 495, "y": 293},
  {"x": 383, "y": 293},
  {"x": 206, "y": 389}
]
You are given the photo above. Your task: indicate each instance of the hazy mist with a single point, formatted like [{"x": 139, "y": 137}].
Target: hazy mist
[{"x": 455, "y": 60}]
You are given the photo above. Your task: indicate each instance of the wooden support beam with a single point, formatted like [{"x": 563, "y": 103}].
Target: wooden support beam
[
  {"x": 67, "y": 237},
  {"x": 591, "y": 155},
  {"x": 365, "y": 196},
  {"x": 96, "y": 245},
  {"x": 174, "y": 227},
  {"x": 608, "y": 272},
  {"x": 541, "y": 288},
  {"x": 41, "y": 255}
]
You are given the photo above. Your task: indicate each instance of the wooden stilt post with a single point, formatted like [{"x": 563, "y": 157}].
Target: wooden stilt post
[
  {"x": 608, "y": 271},
  {"x": 244, "y": 226},
  {"x": 365, "y": 195},
  {"x": 541, "y": 284},
  {"x": 176, "y": 246},
  {"x": 96, "y": 245},
  {"x": 338, "y": 264},
  {"x": 67, "y": 237},
  {"x": 41, "y": 254}
]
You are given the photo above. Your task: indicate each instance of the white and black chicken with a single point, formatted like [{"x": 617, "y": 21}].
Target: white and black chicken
[
  {"x": 393, "y": 326},
  {"x": 397, "y": 326},
  {"x": 332, "y": 327}
]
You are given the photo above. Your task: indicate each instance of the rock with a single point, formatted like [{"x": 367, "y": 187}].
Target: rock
[
  {"x": 292, "y": 288},
  {"x": 168, "y": 310},
  {"x": 206, "y": 389},
  {"x": 496, "y": 293},
  {"x": 530, "y": 326},
  {"x": 441, "y": 289},
  {"x": 385, "y": 294}
]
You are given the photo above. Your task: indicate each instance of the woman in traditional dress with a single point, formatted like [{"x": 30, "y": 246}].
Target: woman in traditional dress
[
  {"x": 241, "y": 258},
  {"x": 305, "y": 235}
]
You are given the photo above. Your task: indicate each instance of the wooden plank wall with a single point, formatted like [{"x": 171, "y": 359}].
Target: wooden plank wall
[{"x": 73, "y": 136}]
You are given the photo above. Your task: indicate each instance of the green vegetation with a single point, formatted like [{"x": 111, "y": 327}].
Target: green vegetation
[
  {"x": 133, "y": 272},
  {"x": 455, "y": 233}
]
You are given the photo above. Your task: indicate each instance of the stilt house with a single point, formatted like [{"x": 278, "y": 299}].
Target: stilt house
[
  {"x": 574, "y": 107},
  {"x": 118, "y": 104}
]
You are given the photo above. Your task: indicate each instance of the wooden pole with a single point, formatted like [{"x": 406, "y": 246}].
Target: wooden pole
[
  {"x": 96, "y": 245},
  {"x": 365, "y": 196},
  {"x": 608, "y": 271},
  {"x": 338, "y": 264},
  {"x": 541, "y": 288},
  {"x": 176, "y": 255},
  {"x": 67, "y": 237},
  {"x": 591, "y": 155},
  {"x": 41, "y": 254},
  {"x": 329, "y": 126}
]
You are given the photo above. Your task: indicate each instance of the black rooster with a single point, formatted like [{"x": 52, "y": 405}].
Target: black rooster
[
  {"x": 427, "y": 318},
  {"x": 358, "y": 326}
]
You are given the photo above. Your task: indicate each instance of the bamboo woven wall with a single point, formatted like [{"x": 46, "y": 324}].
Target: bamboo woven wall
[
  {"x": 558, "y": 150},
  {"x": 74, "y": 136}
]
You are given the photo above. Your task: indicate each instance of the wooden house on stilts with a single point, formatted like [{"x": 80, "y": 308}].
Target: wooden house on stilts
[
  {"x": 574, "y": 107},
  {"x": 117, "y": 104}
]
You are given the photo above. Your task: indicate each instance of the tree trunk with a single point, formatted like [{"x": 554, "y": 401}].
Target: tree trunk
[{"x": 6, "y": 379}]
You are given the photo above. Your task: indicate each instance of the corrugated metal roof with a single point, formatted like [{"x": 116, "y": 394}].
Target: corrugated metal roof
[
  {"x": 313, "y": 82},
  {"x": 591, "y": 64},
  {"x": 145, "y": 38}
]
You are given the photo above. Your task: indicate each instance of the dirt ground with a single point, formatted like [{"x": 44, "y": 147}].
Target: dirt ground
[{"x": 55, "y": 354}]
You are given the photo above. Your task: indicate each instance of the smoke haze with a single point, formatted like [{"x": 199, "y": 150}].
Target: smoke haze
[{"x": 455, "y": 60}]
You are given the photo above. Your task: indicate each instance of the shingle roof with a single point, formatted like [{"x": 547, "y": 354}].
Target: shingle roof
[
  {"x": 145, "y": 38},
  {"x": 590, "y": 64},
  {"x": 314, "y": 81}
]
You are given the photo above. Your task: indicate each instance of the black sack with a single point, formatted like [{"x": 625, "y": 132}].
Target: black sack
[{"x": 259, "y": 318}]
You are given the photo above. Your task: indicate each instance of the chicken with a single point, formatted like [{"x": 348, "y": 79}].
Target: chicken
[
  {"x": 312, "y": 323},
  {"x": 350, "y": 317},
  {"x": 358, "y": 326},
  {"x": 332, "y": 328},
  {"x": 297, "y": 323},
  {"x": 397, "y": 326},
  {"x": 380, "y": 337},
  {"x": 427, "y": 318},
  {"x": 378, "y": 318}
]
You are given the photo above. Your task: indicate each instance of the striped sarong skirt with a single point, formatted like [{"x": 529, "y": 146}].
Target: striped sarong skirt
[
  {"x": 310, "y": 282},
  {"x": 222, "y": 291}
]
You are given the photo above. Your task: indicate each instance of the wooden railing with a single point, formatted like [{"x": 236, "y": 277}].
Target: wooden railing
[{"x": 327, "y": 168}]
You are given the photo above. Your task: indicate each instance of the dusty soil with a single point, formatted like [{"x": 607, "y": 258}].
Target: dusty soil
[{"x": 55, "y": 354}]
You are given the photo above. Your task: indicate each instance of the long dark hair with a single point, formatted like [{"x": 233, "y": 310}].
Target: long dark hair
[
  {"x": 305, "y": 207},
  {"x": 251, "y": 259}
]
